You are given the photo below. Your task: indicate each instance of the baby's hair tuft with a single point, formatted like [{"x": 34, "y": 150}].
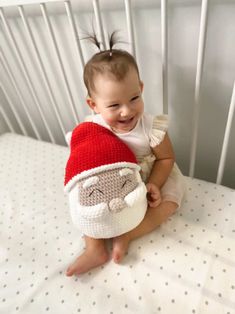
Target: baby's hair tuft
[{"x": 113, "y": 62}]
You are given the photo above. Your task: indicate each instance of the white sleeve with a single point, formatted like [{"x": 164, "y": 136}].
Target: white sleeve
[{"x": 158, "y": 130}]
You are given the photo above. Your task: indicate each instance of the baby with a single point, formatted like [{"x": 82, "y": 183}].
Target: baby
[{"x": 115, "y": 94}]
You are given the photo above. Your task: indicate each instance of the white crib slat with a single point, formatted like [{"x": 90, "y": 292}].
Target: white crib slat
[
  {"x": 25, "y": 73},
  {"x": 59, "y": 58},
  {"x": 72, "y": 23},
  {"x": 164, "y": 28},
  {"x": 200, "y": 61},
  {"x": 15, "y": 113},
  {"x": 96, "y": 7},
  {"x": 42, "y": 68},
  {"x": 8, "y": 3},
  {"x": 6, "y": 67},
  {"x": 226, "y": 139},
  {"x": 6, "y": 119},
  {"x": 130, "y": 26}
]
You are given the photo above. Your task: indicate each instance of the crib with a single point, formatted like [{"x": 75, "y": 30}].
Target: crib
[{"x": 185, "y": 51}]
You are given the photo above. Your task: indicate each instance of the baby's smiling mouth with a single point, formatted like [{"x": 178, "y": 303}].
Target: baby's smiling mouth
[{"x": 126, "y": 121}]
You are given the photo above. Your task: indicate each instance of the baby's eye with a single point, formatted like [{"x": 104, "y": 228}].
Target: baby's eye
[
  {"x": 124, "y": 183},
  {"x": 96, "y": 190},
  {"x": 113, "y": 106},
  {"x": 134, "y": 98}
]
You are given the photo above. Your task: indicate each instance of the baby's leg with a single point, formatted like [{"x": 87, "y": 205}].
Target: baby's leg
[
  {"x": 154, "y": 217},
  {"x": 95, "y": 255}
]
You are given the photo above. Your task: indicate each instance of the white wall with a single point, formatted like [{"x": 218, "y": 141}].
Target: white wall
[{"x": 184, "y": 19}]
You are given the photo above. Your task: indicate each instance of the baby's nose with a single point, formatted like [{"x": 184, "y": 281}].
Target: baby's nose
[
  {"x": 125, "y": 111},
  {"x": 116, "y": 205}
]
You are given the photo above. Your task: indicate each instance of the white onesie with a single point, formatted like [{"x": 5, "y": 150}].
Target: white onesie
[{"x": 149, "y": 132}]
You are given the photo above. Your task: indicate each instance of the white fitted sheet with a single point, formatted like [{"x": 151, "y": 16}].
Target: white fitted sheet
[{"x": 185, "y": 266}]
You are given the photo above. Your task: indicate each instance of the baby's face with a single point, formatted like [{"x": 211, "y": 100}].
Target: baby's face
[{"x": 119, "y": 102}]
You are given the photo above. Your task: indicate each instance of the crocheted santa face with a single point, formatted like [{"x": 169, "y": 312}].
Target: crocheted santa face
[
  {"x": 106, "y": 194},
  {"x": 109, "y": 187}
]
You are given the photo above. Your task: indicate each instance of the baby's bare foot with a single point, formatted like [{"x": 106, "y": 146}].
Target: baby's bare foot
[
  {"x": 120, "y": 246},
  {"x": 91, "y": 258}
]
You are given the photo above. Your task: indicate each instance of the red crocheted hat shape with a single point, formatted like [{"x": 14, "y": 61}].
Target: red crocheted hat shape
[{"x": 94, "y": 149}]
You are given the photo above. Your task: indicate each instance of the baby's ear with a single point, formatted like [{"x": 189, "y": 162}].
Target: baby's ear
[
  {"x": 141, "y": 86},
  {"x": 92, "y": 104},
  {"x": 68, "y": 137}
]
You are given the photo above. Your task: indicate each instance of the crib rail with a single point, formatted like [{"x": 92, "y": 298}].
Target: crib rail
[
  {"x": 66, "y": 80},
  {"x": 8, "y": 3},
  {"x": 226, "y": 139}
]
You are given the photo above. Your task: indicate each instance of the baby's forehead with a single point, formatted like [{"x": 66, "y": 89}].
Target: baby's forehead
[{"x": 106, "y": 177}]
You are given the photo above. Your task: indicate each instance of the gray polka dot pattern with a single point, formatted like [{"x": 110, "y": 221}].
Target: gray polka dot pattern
[{"x": 185, "y": 266}]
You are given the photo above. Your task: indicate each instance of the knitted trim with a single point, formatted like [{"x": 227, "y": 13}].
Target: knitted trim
[{"x": 99, "y": 169}]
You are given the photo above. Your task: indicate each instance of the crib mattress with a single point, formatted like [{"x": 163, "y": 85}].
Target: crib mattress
[{"x": 185, "y": 266}]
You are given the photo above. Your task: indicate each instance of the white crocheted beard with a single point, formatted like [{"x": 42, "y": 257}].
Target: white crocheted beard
[
  {"x": 101, "y": 210},
  {"x": 113, "y": 215}
]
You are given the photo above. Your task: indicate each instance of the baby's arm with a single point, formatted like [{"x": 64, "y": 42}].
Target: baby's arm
[{"x": 161, "y": 169}]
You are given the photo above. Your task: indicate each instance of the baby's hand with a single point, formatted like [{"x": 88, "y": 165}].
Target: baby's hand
[{"x": 153, "y": 195}]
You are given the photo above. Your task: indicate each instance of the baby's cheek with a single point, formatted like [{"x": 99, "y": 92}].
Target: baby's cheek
[{"x": 110, "y": 120}]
